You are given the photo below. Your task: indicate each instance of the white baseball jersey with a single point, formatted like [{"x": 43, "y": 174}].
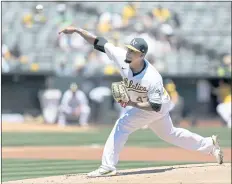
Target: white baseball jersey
[
  {"x": 147, "y": 85},
  {"x": 144, "y": 86}
]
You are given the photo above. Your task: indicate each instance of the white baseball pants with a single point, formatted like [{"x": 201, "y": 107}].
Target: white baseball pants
[{"x": 161, "y": 124}]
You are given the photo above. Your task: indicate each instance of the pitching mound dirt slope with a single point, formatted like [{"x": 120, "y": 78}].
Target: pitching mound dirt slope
[{"x": 183, "y": 174}]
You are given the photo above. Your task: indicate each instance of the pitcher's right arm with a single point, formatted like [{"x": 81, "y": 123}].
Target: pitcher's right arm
[{"x": 115, "y": 54}]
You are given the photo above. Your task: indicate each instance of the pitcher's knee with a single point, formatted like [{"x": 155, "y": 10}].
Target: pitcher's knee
[
  {"x": 124, "y": 127},
  {"x": 167, "y": 135}
]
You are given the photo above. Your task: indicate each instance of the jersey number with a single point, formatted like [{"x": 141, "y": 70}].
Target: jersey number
[{"x": 140, "y": 99}]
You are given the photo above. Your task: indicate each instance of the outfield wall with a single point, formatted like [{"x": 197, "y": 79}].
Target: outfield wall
[{"x": 20, "y": 91}]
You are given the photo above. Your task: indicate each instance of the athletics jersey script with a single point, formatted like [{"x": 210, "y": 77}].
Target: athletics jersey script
[{"x": 147, "y": 85}]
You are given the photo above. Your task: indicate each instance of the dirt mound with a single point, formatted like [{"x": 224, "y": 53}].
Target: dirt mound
[{"x": 194, "y": 173}]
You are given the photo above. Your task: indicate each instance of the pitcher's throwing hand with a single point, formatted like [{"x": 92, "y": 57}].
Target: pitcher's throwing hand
[{"x": 68, "y": 30}]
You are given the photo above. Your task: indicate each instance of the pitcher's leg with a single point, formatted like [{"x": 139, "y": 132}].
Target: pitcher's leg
[
  {"x": 181, "y": 137},
  {"x": 115, "y": 143},
  {"x": 130, "y": 122}
]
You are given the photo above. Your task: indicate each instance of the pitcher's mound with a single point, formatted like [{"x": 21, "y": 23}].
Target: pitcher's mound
[{"x": 181, "y": 174}]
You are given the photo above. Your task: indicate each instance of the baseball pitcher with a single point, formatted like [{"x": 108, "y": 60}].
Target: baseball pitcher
[{"x": 142, "y": 88}]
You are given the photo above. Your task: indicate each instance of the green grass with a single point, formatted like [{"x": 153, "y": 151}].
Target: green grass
[
  {"x": 142, "y": 138},
  {"x": 16, "y": 169}
]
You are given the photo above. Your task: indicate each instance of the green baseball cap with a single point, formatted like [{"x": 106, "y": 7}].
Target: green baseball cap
[{"x": 138, "y": 45}]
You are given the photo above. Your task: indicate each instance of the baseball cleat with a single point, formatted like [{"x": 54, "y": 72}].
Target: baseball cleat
[
  {"x": 101, "y": 172},
  {"x": 217, "y": 152}
]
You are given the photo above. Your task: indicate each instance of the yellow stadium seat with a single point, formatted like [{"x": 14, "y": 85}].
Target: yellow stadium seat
[{"x": 34, "y": 67}]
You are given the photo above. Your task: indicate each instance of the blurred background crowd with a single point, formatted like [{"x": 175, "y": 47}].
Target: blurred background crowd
[{"x": 185, "y": 39}]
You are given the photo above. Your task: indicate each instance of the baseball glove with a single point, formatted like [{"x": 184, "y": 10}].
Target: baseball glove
[{"x": 119, "y": 92}]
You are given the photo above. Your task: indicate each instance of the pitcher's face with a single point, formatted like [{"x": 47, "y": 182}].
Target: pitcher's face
[{"x": 133, "y": 56}]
